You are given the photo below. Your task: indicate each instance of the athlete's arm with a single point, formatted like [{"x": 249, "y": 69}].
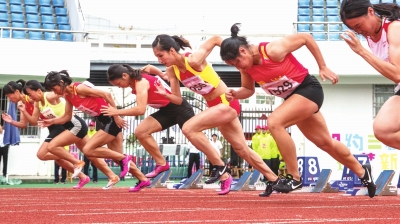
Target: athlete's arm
[
  {"x": 197, "y": 59},
  {"x": 19, "y": 124},
  {"x": 175, "y": 96},
  {"x": 53, "y": 98},
  {"x": 151, "y": 69},
  {"x": 243, "y": 92},
  {"x": 67, "y": 116}
]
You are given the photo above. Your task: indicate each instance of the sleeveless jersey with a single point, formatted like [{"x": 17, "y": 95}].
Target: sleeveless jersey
[
  {"x": 30, "y": 107},
  {"x": 203, "y": 82},
  {"x": 49, "y": 110},
  {"x": 155, "y": 100},
  {"x": 277, "y": 78},
  {"x": 88, "y": 105}
]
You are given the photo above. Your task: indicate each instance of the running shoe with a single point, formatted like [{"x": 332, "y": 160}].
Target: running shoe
[
  {"x": 124, "y": 163},
  {"x": 225, "y": 185},
  {"x": 288, "y": 184},
  {"x": 78, "y": 168},
  {"x": 159, "y": 169},
  {"x": 268, "y": 190},
  {"x": 82, "y": 182},
  {"x": 216, "y": 174},
  {"x": 111, "y": 183},
  {"x": 139, "y": 185},
  {"x": 368, "y": 181}
]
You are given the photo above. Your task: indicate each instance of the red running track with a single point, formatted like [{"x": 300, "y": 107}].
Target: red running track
[{"x": 94, "y": 205}]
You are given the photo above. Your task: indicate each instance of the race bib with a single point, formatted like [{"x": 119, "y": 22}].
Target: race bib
[
  {"x": 87, "y": 111},
  {"x": 161, "y": 82},
  {"x": 282, "y": 87},
  {"x": 197, "y": 85},
  {"x": 48, "y": 113}
]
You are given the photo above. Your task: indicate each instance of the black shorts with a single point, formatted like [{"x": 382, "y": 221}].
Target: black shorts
[
  {"x": 77, "y": 127},
  {"x": 54, "y": 130},
  {"x": 397, "y": 93},
  {"x": 109, "y": 125},
  {"x": 311, "y": 89},
  {"x": 174, "y": 114}
]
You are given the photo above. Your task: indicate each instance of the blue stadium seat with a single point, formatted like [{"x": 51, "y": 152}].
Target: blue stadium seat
[
  {"x": 30, "y": 2},
  {"x": 331, "y": 4},
  {"x": 3, "y": 24},
  {"x": 3, "y": 1},
  {"x": 58, "y": 3},
  {"x": 3, "y": 8},
  {"x": 333, "y": 36},
  {"x": 319, "y": 36},
  {"x": 318, "y": 27},
  {"x": 46, "y": 10},
  {"x": 6, "y": 34},
  {"x": 3, "y": 16},
  {"x": 17, "y": 17},
  {"x": 66, "y": 37},
  {"x": 62, "y": 20},
  {"x": 50, "y": 36},
  {"x": 16, "y": 9},
  {"x": 332, "y": 18},
  {"x": 304, "y": 3},
  {"x": 34, "y": 25},
  {"x": 18, "y": 34},
  {"x": 387, "y": 1},
  {"x": 317, "y": 3},
  {"x": 344, "y": 28},
  {"x": 49, "y": 26},
  {"x": 304, "y": 19},
  {"x": 333, "y": 27},
  {"x": 47, "y": 19},
  {"x": 318, "y": 11},
  {"x": 35, "y": 35},
  {"x": 303, "y": 27},
  {"x": 44, "y": 3},
  {"x": 304, "y": 11},
  {"x": 18, "y": 24},
  {"x": 332, "y": 11},
  {"x": 318, "y": 19},
  {"x": 61, "y": 11},
  {"x": 374, "y": 1},
  {"x": 31, "y": 9},
  {"x": 32, "y": 18},
  {"x": 64, "y": 27},
  {"x": 15, "y": 2}
]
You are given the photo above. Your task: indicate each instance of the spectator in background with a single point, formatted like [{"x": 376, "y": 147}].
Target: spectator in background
[
  {"x": 255, "y": 140},
  {"x": 275, "y": 154},
  {"x": 194, "y": 157},
  {"x": 57, "y": 171},
  {"x": 3, "y": 152},
  {"x": 217, "y": 145},
  {"x": 90, "y": 133},
  {"x": 263, "y": 149}
]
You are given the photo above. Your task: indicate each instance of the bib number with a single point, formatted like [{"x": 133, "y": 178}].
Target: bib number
[
  {"x": 282, "y": 87},
  {"x": 197, "y": 85},
  {"x": 48, "y": 113},
  {"x": 87, "y": 111}
]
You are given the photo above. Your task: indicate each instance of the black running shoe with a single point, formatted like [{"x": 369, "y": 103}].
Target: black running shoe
[
  {"x": 216, "y": 173},
  {"x": 368, "y": 181},
  {"x": 268, "y": 190},
  {"x": 288, "y": 184}
]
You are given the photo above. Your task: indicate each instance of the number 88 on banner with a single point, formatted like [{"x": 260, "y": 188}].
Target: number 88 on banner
[{"x": 308, "y": 169}]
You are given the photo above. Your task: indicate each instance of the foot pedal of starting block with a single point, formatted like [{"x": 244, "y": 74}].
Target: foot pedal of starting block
[
  {"x": 242, "y": 182},
  {"x": 322, "y": 184},
  {"x": 160, "y": 180},
  {"x": 383, "y": 187},
  {"x": 193, "y": 182}
]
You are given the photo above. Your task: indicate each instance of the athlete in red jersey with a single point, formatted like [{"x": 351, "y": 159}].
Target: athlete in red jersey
[
  {"x": 89, "y": 100},
  {"x": 198, "y": 75},
  {"x": 275, "y": 69},
  {"x": 144, "y": 87}
]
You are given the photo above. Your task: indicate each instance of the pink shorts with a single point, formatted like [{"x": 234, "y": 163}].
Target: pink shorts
[{"x": 222, "y": 99}]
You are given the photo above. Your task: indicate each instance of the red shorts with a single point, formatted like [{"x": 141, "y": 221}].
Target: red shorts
[{"x": 222, "y": 99}]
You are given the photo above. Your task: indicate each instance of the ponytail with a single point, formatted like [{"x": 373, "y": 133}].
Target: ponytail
[
  {"x": 230, "y": 46},
  {"x": 115, "y": 71},
  {"x": 12, "y": 86},
  {"x": 166, "y": 42},
  {"x": 54, "y": 79}
]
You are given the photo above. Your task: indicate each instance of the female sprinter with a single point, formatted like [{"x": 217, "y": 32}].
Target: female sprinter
[
  {"x": 90, "y": 100},
  {"x": 277, "y": 71},
  {"x": 197, "y": 75},
  {"x": 14, "y": 92}
]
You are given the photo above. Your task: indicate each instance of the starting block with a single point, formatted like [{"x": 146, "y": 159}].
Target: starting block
[
  {"x": 193, "y": 182},
  {"x": 383, "y": 187},
  {"x": 248, "y": 182},
  {"x": 322, "y": 184},
  {"x": 243, "y": 180},
  {"x": 161, "y": 180}
]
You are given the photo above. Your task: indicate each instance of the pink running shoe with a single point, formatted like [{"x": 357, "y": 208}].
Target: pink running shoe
[
  {"x": 159, "y": 169},
  {"x": 225, "y": 185},
  {"x": 82, "y": 183},
  {"x": 139, "y": 185},
  {"x": 125, "y": 165}
]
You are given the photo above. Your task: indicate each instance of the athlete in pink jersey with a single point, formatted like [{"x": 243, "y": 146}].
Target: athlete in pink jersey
[
  {"x": 144, "y": 87},
  {"x": 380, "y": 24},
  {"x": 278, "y": 73}
]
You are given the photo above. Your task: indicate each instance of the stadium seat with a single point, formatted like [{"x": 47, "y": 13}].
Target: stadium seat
[
  {"x": 332, "y": 18},
  {"x": 317, "y": 3},
  {"x": 387, "y": 1},
  {"x": 304, "y": 11},
  {"x": 303, "y": 27},
  {"x": 17, "y": 17},
  {"x": 34, "y": 25},
  {"x": 319, "y": 36},
  {"x": 47, "y": 19},
  {"x": 374, "y": 1},
  {"x": 3, "y": 7},
  {"x": 304, "y": 19},
  {"x": 3, "y": 24},
  {"x": 49, "y": 26},
  {"x": 344, "y": 28},
  {"x": 30, "y": 2},
  {"x": 50, "y": 36},
  {"x": 58, "y": 3},
  {"x": 6, "y": 34},
  {"x": 18, "y": 24},
  {"x": 32, "y": 18},
  {"x": 318, "y": 11},
  {"x": 61, "y": 11},
  {"x": 3, "y": 1},
  {"x": 16, "y": 9},
  {"x": 318, "y": 27},
  {"x": 44, "y": 3},
  {"x": 333, "y": 28},
  {"x": 332, "y": 11},
  {"x": 331, "y": 4},
  {"x": 64, "y": 27},
  {"x": 31, "y": 9},
  {"x": 304, "y": 3},
  {"x": 3, "y": 16},
  {"x": 35, "y": 35},
  {"x": 18, "y": 34},
  {"x": 15, "y": 2},
  {"x": 46, "y": 10},
  {"x": 333, "y": 36},
  {"x": 318, "y": 19},
  {"x": 62, "y": 20},
  {"x": 66, "y": 37}
]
